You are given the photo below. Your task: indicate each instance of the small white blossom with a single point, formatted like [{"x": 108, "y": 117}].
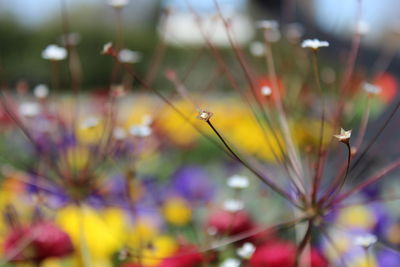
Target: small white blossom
[
  {"x": 41, "y": 91},
  {"x": 233, "y": 205},
  {"x": 266, "y": 91},
  {"x": 204, "y": 115},
  {"x": 29, "y": 109},
  {"x": 119, "y": 133},
  {"x": 267, "y": 24},
  {"x": 118, "y": 3},
  {"x": 366, "y": 240},
  {"x": 362, "y": 27},
  {"x": 129, "y": 56},
  {"x": 257, "y": 49},
  {"x": 344, "y": 135},
  {"x": 90, "y": 122},
  {"x": 238, "y": 182},
  {"x": 107, "y": 48},
  {"x": 371, "y": 89},
  {"x": 246, "y": 251},
  {"x": 140, "y": 130},
  {"x": 54, "y": 52},
  {"x": 314, "y": 44},
  {"x": 230, "y": 262}
]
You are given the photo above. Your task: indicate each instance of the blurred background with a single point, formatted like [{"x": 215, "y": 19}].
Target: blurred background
[{"x": 27, "y": 27}]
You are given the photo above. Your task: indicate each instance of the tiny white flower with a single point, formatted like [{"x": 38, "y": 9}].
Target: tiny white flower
[
  {"x": 266, "y": 91},
  {"x": 204, "y": 115},
  {"x": 344, "y": 135},
  {"x": 129, "y": 56},
  {"x": 140, "y": 130},
  {"x": 257, "y": 49},
  {"x": 246, "y": 251},
  {"x": 238, "y": 182},
  {"x": 230, "y": 262},
  {"x": 107, "y": 48},
  {"x": 29, "y": 109},
  {"x": 314, "y": 44},
  {"x": 41, "y": 91},
  {"x": 365, "y": 240},
  {"x": 371, "y": 89},
  {"x": 267, "y": 24},
  {"x": 233, "y": 205},
  {"x": 362, "y": 27},
  {"x": 90, "y": 122},
  {"x": 147, "y": 119},
  {"x": 118, "y": 3},
  {"x": 54, "y": 52},
  {"x": 119, "y": 133}
]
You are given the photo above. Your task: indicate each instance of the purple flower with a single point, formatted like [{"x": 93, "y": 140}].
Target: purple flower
[
  {"x": 388, "y": 258},
  {"x": 192, "y": 183}
]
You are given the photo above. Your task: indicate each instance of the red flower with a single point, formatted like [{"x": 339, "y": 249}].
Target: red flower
[
  {"x": 314, "y": 259},
  {"x": 230, "y": 223},
  {"x": 283, "y": 254},
  {"x": 267, "y": 82},
  {"x": 276, "y": 254},
  {"x": 37, "y": 242},
  {"x": 388, "y": 84},
  {"x": 187, "y": 256}
]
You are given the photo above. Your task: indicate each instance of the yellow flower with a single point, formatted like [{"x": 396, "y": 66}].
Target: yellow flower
[
  {"x": 77, "y": 157},
  {"x": 176, "y": 128},
  {"x": 142, "y": 233},
  {"x": 102, "y": 233},
  {"x": 161, "y": 247},
  {"x": 177, "y": 211},
  {"x": 356, "y": 217},
  {"x": 90, "y": 130}
]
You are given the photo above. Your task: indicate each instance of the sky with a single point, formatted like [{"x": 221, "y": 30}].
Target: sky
[{"x": 33, "y": 12}]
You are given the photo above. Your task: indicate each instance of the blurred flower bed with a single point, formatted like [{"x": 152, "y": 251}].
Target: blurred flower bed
[{"x": 258, "y": 167}]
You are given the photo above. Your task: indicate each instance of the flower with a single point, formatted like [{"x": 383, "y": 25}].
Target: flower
[
  {"x": 204, "y": 115},
  {"x": 238, "y": 182},
  {"x": 257, "y": 49},
  {"x": 267, "y": 24},
  {"x": 118, "y": 3},
  {"x": 47, "y": 240},
  {"x": 41, "y": 91},
  {"x": 192, "y": 183},
  {"x": 371, "y": 89},
  {"x": 140, "y": 130},
  {"x": 344, "y": 135},
  {"x": 29, "y": 109},
  {"x": 246, "y": 251},
  {"x": 362, "y": 27},
  {"x": 107, "y": 49},
  {"x": 365, "y": 240},
  {"x": 228, "y": 223},
  {"x": 230, "y": 262},
  {"x": 54, "y": 53},
  {"x": 266, "y": 90},
  {"x": 274, "y": 254},
  {"x": 186, "y": 256},
  {"x": 129, "y": 56},
  {"x": 177, "y": 211},
  {"x": 233, "y": 205},
  {"x": 314, "y": 44}
]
